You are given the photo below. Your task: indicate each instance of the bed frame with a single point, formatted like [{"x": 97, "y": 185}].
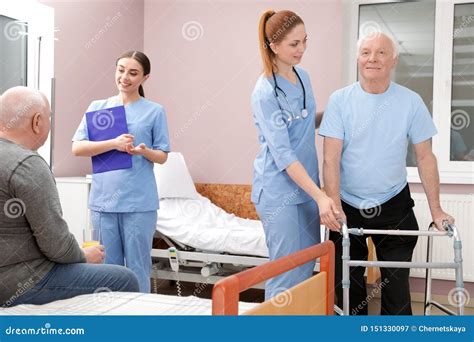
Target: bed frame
[
  {"x": 204, "y": 267},
  {"x": 314, "y": 296}
]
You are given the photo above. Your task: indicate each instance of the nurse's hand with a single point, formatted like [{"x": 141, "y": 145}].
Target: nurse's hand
[
  {"x": 94, "y": 254},
  {"x": 136, "y": 150},
  {"x": 328, "y": 212},
  {"x": 122, "y": 141}
]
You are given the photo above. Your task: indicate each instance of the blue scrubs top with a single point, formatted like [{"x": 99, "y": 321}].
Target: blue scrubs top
[
  {"x": 283, "y": 142},
  {"x": 134, "y": 189},
  {"x": 375, "y": 130}
]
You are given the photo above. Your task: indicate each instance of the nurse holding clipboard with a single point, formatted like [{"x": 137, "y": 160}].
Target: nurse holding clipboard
[{"x": 124, "y": 201}]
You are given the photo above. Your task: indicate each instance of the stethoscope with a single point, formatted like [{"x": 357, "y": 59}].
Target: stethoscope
[{"x": 292, "y": 117}]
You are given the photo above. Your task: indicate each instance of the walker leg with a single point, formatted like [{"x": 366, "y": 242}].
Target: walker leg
[
  {"x": 346, "y": 243},
  {"x": 429, "y": 257},
  {"x": 459, "y": 277}
]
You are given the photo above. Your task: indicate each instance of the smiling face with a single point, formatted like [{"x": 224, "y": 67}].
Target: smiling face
[
  {"x": 129, "y": 75},
  {"x": 376, "y": 59},
  {"x": 291, "y": 49}
]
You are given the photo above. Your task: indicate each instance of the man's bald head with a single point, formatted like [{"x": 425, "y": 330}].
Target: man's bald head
[
  {"x": 25, "y": 116},
  {"x": 18, "y": 105}
]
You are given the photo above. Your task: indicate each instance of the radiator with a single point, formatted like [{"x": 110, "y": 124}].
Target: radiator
[{"x": 461, "y": 207}]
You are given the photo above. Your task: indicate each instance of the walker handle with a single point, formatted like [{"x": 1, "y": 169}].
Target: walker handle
[
  {"x": 342, "y": 223},
  {"x": 446, "y": 226}
]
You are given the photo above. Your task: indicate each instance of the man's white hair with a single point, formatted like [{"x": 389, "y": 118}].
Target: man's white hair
[
  {"x": 373, "y": 35},
  {"x": 17, "y": 104}
]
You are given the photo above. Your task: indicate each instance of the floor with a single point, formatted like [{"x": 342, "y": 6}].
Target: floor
[{"x": 417, "y": 308}]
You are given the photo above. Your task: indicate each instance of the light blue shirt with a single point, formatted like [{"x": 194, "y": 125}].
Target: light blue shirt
[
  {"x": 134, "y": 189},
  {"x": 375, "y": 129},
  {"x": 282, "y": 144}
]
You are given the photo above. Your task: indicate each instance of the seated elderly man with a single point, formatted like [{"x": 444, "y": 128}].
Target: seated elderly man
[
  {"x": 40, "y": 260},
  {"x": 366, "y": 129}
]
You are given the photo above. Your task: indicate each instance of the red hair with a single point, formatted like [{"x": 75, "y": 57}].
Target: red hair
[{"x": 273, "y": 28}]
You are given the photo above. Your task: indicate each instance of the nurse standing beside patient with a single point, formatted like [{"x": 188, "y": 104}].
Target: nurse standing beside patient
[
  {"x": 285, "y": 187},
  {"x": 124, "y": 203}
]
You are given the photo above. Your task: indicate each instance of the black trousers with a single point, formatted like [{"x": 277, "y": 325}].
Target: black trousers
[{"x": 395, "y": 214}]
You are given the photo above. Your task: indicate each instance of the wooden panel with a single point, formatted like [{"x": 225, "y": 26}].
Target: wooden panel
[
  {"x": 306, "y": 298},
  {"x": 373, "y": 273},
  {"x": 233, "y": 198}
]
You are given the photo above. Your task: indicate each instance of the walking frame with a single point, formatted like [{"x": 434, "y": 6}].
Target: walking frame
[{"x": 450, "y": 231}]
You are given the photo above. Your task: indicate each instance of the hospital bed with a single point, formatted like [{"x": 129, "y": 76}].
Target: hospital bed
[
  {"x": 205, "y": 232},
  {"x": 197, "y": 240},
  {"x": 314, "y": 296}
]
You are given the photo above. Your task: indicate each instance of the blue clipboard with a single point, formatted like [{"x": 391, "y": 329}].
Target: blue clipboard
[{"x": 106, "y": 124}]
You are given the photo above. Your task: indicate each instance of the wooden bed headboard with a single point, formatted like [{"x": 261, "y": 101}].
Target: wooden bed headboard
[
  {"x": 233, "y": 198},
  {"x": 313, "y": 296}
]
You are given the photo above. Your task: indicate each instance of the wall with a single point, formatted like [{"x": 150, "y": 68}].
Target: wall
[
  {"x": 90, "y": 36},
  {"x": 205, "y": 64},
  {"x": 204, "y": 83}
]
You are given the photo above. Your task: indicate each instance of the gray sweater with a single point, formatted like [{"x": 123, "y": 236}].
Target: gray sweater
[{"x": 33, "y": 234}]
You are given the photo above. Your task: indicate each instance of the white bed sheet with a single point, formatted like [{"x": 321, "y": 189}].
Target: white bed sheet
[
  {"x": 122, "y": 303},
  {"x": 202, "y": 225}
]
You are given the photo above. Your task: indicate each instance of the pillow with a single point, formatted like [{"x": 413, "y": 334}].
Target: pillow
[{"x": 173, "y": 179}]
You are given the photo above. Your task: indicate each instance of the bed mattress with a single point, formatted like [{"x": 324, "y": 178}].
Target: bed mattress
[
  {"x": 122, "y": 303},
  {"x": 204, "y": 226}
]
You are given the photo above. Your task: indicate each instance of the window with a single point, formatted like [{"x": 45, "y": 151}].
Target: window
[
  {"x": 462, "y": 94},
  {"x": 13, "y": 55},
  {"x": 436, "y": 42},
  {"x": 27, "y": 50}
]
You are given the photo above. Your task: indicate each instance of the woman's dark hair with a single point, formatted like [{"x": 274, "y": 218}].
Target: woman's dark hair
[{"x": 141, "y": 58}]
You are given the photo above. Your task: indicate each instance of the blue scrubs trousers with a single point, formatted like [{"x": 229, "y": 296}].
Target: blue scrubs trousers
[
  {"x": 288, "y": 229},
  {"x": 128, "y": 238}
]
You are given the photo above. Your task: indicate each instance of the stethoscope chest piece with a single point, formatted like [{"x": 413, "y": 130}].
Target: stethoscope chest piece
[{"x": 304, "y": 113}]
